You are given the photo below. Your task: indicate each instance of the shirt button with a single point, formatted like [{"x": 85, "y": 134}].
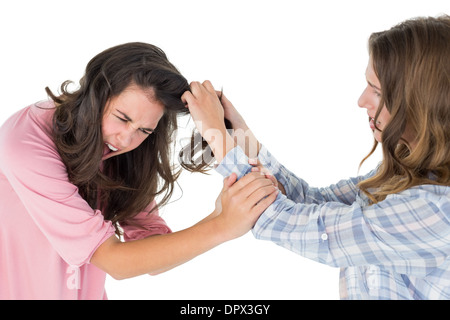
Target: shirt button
[
  {"x": 324, "y": 236},
  {"x": 372, "y": 282}
]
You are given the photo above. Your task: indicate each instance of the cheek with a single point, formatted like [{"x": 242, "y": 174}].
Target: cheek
[
  {"x": 137, "y": 141},
  {"x": 384, "y": 116},
  {"x": 111, "y": 127},
  {"x": 106, "y": 128}
]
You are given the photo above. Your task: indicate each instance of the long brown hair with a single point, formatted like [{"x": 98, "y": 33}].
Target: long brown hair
[
  {"x": 126, "y": 184},
  {"x": 412, "y": 62}
]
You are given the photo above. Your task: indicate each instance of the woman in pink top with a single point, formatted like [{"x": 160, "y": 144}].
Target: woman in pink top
[{"x": 85, "y": 167}]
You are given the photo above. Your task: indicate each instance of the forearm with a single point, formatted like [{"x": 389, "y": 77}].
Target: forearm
[
  {"x": 159, "y": 253},
  {"x": 242, "y": 202},
  {"x": 247, "y": 141},
  {"x": 220, "y": 142}
]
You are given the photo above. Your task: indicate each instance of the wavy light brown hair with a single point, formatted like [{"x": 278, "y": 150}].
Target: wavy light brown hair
[
  {"x": 126, "y": 184},
  {"x": 412, "y": 63}
]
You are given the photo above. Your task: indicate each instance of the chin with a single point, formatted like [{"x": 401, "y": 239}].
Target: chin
[
  {"x": 109, "y": 155},
  {"x": 377, "y": 137}
]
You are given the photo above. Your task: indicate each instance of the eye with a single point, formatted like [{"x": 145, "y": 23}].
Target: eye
[
  {"x": 121, "y": 119},
  {"x": 146, "y": 132}
]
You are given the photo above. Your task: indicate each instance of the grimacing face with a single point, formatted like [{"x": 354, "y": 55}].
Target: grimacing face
[{"x": 128, "y": 120}]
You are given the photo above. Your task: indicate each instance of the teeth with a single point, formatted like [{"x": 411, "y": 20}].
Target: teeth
[{"x": 111, "y": 147}]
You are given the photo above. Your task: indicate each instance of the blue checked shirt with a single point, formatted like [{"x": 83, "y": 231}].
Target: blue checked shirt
[{"x": 398, "y": 248}]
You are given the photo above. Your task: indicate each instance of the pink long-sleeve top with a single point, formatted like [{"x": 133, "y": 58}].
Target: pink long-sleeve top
[{"x": 48, "y": 232}]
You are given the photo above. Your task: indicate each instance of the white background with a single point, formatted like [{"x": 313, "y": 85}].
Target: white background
[{"x": 294, "y": 69}]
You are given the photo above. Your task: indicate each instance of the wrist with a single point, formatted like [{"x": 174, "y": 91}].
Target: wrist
[
  {"x": 219, "y": 228},
  {"x": 221, "y": 143},
  {"x": 245, "y": 139},
  {"x": 239, "y": 123},
  {"x": 226, "y": 229}
]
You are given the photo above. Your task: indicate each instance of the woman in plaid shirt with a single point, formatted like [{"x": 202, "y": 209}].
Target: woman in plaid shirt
[{"x": 388, "y": 231}]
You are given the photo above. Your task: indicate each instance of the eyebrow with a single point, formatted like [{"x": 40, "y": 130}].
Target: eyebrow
[
  {"x": 129, "y": 119},
  {"x": 373, "y": 86}
]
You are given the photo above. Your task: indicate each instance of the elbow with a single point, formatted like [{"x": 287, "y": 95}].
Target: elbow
[
  {"x": 113, "y": 258},
  {"x": 127, "y": 274},
  {"x": 118, "y": 272},
  {"x": 155, "y": 272},
  {"x": 107, "y": 258},
  {"x": 117, "y": 276}
]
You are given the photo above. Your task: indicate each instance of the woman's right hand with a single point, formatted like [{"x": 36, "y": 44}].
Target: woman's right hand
[
  {"x": 208, "y": 114},
  {"x": 243, "y": 201}
]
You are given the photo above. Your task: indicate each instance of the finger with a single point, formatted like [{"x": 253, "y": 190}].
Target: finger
[
  {"x": 264, "y": 203},
  {"x": 248, "y": 178},
  {"x": 222, "y": 96},
  {"x": 196, "y": 88},
  {"x": 258, "y": 188},
  {"x": 187, "y": 97},
  {"x": 266, "y": 172},
  {"x": 272, "y": 178},
  {"x": 228, "y": 182},
  {"x": 259, "y": 196},
  {"x": 255, "y": 187},
  {"x": 208, "y": 85}
]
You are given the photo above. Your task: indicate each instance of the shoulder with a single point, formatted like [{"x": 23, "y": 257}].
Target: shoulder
[
  {"x": 437, "y": 195},
  {"x": 423, "y": 200},
  {"x": 34, "y": 119},
  {"x": 428, "y": 192},
  {"x": 27, "y": 136}
]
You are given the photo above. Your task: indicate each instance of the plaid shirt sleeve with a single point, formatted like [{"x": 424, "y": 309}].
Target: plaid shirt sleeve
[
  {"x": 298, "y": 190},
  {"x": 408, "y": 232}
]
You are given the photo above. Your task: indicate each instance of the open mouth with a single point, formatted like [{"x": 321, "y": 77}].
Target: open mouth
[
  {"x": 372, "y": 123},
  {"x": 111, "y": 147},
  {"x": 108, "y": 151}
]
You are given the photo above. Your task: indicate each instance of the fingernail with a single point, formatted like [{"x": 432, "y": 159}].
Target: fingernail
[{"x": 253, "y": 161}]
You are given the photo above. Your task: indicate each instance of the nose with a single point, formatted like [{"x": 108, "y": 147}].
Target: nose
[
  {"x": 365, "y": 100},
  {"x": 125, "y": 137}
]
